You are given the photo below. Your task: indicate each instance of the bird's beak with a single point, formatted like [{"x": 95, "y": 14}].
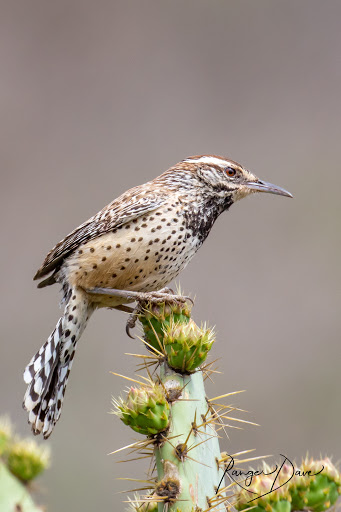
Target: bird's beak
[{"x": 263, "y": 186}]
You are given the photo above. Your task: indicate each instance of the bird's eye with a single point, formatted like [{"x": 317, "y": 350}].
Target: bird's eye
[{"x": 230, "y": 172}]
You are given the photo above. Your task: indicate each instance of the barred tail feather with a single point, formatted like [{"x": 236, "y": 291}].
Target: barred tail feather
[{"x": 48, "y": 371}]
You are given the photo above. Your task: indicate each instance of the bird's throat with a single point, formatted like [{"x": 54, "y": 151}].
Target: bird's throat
[{"x": 201, "y": 215}]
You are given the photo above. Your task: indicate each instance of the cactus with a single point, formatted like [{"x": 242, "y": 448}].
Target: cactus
[
  {"x": 173, "y": 412},
  {"x": 314, "y": 486},
  {"x": 181, "y": 426},
  {"x": 21, "y": 462}
]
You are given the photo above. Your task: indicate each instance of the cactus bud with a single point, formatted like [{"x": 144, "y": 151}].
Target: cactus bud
[
  {"x": 156, "y": 317},
  {"x": 276, "y": 501},
  {"x": 316, "y": 493},
  {"x": 187, "y": 345},
  {"x": 145, "y": 410},
  {"x": 26, "y": 460}
]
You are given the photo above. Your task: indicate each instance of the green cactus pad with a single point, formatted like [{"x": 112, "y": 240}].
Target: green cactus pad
[
  {"x": 157, "y": 317},
  {"x": 186, "y": 345},
  {"x": 145, "y": 410}
]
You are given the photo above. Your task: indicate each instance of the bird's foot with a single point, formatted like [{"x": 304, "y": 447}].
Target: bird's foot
[{"x": 166, "y": 295}]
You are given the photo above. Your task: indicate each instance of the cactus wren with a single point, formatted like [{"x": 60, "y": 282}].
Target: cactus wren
[{"x": 129, "y": 250}]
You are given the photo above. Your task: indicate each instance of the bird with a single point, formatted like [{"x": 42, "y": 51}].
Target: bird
[{"x": 129, "y": 251}]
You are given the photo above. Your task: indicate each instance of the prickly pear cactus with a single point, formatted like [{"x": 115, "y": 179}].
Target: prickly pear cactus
[
  {"x": 173, "y": 412},
  {"x": 181, "y": 428},
  {"x": 20, "y": 463}
]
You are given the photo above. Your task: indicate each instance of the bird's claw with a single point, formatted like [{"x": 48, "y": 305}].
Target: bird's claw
[{"x": 131, "y": 322}]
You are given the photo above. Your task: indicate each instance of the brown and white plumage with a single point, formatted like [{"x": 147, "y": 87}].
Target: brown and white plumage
[
  {"x": 131, "y": 204},
  {"x": 139, "y": 242}
]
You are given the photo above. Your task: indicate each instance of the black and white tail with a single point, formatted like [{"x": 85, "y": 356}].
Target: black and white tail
[{"x": 48, "y": 371}]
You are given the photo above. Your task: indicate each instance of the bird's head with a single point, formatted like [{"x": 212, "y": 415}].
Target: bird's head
[{"x": 224, "y": 177}]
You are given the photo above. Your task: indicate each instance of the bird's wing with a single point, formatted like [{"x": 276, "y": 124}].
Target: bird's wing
[{"x": 130, "y": 205}]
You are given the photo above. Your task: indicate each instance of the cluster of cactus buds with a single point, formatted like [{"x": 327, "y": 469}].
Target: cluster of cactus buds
[
  {"x": 314, "y": 486},
  {"x": 169, "y": 329},
  {"x": 145, "y": 409}
]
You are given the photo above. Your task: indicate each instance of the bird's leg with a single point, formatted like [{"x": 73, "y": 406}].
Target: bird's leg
[{"x": 157, "y": 297}]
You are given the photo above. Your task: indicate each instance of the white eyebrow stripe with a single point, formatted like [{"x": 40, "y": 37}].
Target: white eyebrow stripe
[{"x": 210, "y": 160}]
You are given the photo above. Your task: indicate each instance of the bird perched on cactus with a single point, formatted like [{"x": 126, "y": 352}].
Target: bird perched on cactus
[{"x": 135, "y": 246}]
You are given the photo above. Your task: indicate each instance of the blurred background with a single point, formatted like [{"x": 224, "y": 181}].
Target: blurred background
[{"x": 97, "y": 97}]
